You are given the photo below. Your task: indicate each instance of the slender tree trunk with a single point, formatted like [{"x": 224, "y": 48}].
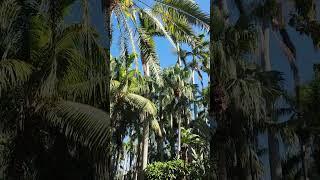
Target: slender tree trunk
[
  {"x": 161, "y": 140},
  {"x": 274, "y": 154},
  {"x": 179, "y": 137},
  {"x": 195, "y": 108},
  {"x": 146, "y": 125},
  {"x": 138, "y": 159},
  {"x": 178, "y": 115},
  {"x": 145, "y": 143},
  {"x": 303, "y": 159},
  {"x": 302, "y": 137},
  {"x": 144, "y": 148},
  {"x": 179, "y": 58}
]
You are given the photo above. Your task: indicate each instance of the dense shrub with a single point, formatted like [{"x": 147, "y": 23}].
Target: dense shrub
[{"x": 175, "y": 169}]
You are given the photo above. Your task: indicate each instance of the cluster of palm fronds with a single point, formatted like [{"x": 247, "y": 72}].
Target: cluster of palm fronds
[
  {"x": 71, "y": 110},
  {"x": 248, "y": 98},
  {"x": 55, "y": 93}
]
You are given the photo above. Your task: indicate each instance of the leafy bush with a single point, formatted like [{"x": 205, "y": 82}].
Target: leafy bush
[{"x": 175, "y": 169}]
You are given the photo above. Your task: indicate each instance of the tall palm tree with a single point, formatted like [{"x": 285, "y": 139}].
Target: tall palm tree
[
  {"x": 223, "y": 58},
  {"x": 127, "y": 10},
  {"x": 273, "y": 142},
  {"x": 45, "y": 101},
  {"x": 273, "y": 18}
]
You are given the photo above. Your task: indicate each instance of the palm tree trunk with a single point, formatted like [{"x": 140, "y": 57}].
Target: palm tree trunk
[
  {"x": 138, "y": 159},
  {"x": 161, "y": 140},
  {"x": 178, "y": 115},
  {"x": 303, "y": 159},
  {"x": 179, "y": 137},
  {"x": 195, "y": 108},
  {"x": 145, "y": 146},
  {"x": 146, "y": 124},
  {"x": 179, "y": 63},
  {"x": 302, "y": 136},
  {"x": 274, "y": 154}
]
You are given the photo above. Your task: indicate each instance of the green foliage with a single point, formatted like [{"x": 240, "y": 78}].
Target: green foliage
[{"x": 175, "y": 169}]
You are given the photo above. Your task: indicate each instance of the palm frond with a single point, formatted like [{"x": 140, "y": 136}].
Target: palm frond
[
  {"x": 156, "y": 21},
  {"x": 156, "y": 127},
  {"x": 143, "y": 104},
  {"x": 13, "y": 72},
  {"x": 82, "y": 123},
  {"x": 189, "y": 9},
  {"x": 148, "y": 52}
]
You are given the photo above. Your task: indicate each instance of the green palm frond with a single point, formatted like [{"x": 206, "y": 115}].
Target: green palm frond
[
  {"x": 130, "y": 34},
  {"x": 189, "y": 9},
  {"x": 159, "y": 25},
  {"x": 13, "y": 72},
  {"x": 176, "y": 25},
  {"x": 141, "y": 103},
  {"x": 39, "y": 32},
  {"x": 9, "y": 12},
  {"x": 156, "y": 127},
  {"x": 49, "y": 83},
  {"x": 188, "y": 137},
  {"x": 82, "y": 123},
  {"x": 88, "y": 89},
  {"x": 149, "y": 55}
]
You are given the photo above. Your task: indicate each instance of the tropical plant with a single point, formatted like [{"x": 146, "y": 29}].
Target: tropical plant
[{"x": 47, "y": 120}]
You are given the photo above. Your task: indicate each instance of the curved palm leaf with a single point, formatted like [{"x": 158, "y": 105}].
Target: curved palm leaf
[
  {"x": 13, "y": 72},
  {"x": 83, "y": 123},
  {"x": 141, "y": 103}
]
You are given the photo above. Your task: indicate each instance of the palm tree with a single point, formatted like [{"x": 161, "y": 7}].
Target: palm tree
[
  {"x": 145, "y": 108},
  {"x": 14, "y": 72},
  {"x": 273, "y": 18},
  {"x": 45, "y": 100},
  {"x": 223, "y": 58},
  {"x": 273, "y": 143},
  {"x": 66, "y": 86},
  {"x": 188, "y": 10},
  {"x": 298, "y": 164},
  {"x": 128, "y": 11}
]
